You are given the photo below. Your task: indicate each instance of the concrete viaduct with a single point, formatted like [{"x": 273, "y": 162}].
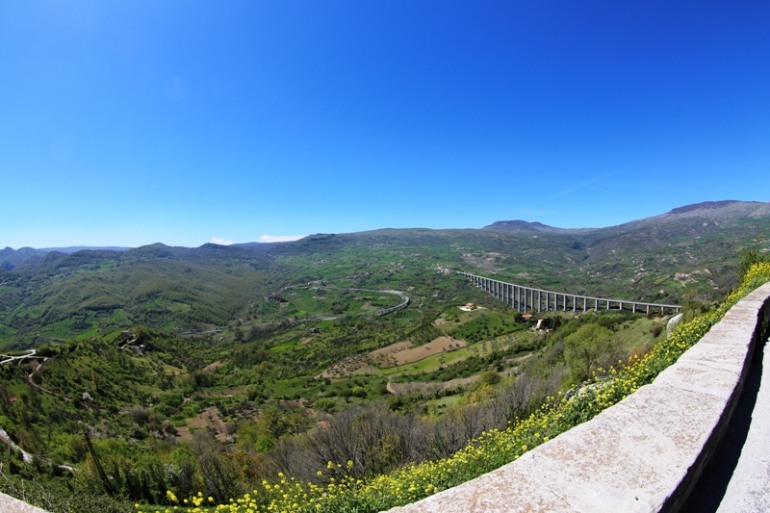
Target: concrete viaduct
[{"x": 528, "y": 299}]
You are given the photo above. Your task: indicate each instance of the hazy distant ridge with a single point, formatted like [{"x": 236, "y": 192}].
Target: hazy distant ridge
[{"x": 690, "y": 251}]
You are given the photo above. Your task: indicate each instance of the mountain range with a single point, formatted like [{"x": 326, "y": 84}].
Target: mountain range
[{"x": 690, "y": 253}]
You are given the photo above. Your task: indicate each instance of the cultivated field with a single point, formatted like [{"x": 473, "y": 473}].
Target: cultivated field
[{"x": 403, "y": 353}]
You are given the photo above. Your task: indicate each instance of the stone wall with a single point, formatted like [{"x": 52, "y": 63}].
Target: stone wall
[{"x": 12, "y": 505}]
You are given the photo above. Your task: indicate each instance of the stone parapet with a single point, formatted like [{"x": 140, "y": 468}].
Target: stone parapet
[{"x": 11, "y": 505}]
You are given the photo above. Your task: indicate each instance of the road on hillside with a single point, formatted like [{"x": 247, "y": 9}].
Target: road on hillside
[{"x": 31, "y": 353}]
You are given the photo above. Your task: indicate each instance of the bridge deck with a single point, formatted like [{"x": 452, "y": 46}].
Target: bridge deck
[{"x": 529, "y": 299}]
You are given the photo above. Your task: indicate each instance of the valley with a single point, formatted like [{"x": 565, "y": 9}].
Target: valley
[{"x": 209, "y": 369}]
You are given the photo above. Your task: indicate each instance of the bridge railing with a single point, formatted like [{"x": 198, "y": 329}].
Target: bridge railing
[{"x": 527, "y": 299}]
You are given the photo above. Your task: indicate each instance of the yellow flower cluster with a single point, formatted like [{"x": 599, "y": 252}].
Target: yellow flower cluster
[{"x": 491, "y": 450}]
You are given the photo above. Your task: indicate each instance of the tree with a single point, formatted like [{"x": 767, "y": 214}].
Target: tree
[
  {"x": 748, "y": 258},
  {"x": 490, "y": 377},
  {"x": 585, "y": 349}
]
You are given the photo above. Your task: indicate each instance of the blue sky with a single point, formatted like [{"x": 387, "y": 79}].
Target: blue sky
[{"x": 184, "y": 122}]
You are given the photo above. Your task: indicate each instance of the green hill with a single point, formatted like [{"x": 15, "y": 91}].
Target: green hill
[
  {"x": 689, "y": 253},
  {"x": 211, "y": 368}
]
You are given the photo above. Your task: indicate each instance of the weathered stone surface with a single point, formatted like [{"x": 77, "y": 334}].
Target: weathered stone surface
[
  {"x": 626, "y": 461},
  {"x": 704, "y": 378},
  {"x": 749, "y": 489},
  {"x": 10, "y": 505}
]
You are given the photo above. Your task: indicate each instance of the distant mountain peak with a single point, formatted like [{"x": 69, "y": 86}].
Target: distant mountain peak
[
  {"x": 518, "y": 224},
  {"x": 703, "y": 205}
]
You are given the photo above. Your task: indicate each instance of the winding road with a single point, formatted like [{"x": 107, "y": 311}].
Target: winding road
[{"x": 31, "y": 353}]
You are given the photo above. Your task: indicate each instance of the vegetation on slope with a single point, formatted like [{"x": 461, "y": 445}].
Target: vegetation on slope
[
  {"x": 690, "y": 254},
  {"x": 213, "y": 369},
  {"x": 134, "y": 414},
  {"x": 490, "y": 450}
]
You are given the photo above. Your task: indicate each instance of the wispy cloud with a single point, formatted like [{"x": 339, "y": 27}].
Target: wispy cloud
[
  {"x": 568, "y": 190},
  {"x": 589, "y": 184},
  {"x": 593, "y": 184},
  {"x": 279, "y": 238},
  {"x": 221, "y": 241}
]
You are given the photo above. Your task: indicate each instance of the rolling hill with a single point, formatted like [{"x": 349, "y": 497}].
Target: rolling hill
[
  {"x": 212, "y": 368},
  {"x": 689, "y": 253}
]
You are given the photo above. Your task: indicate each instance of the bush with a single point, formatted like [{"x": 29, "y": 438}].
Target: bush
[{"x": 586, "y": 349}]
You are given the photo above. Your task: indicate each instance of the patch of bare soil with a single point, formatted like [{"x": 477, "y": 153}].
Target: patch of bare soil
[
  {"x": 346, "y": 367},
  {"x": 407, "y": 388},
  {"x": 208, "y": 418},
  {"x": 407, "y": 355},
  {"x": 214, "y": 366},
  {"x": 440, "y": 321},
  {"x": 400, "y": 353},
  {"x": 382, "y": 354}
]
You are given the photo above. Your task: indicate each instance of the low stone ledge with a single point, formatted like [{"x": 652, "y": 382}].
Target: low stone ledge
[
  {"x": 644, "y": 453},
  {"x": 749, "y": 489},
  {"x": 9, "y": 504}
]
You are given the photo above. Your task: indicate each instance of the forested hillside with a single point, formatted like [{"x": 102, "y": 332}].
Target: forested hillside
[
  {"x": 127, "y": 373},
  {"x": 688, "y": 254}
]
